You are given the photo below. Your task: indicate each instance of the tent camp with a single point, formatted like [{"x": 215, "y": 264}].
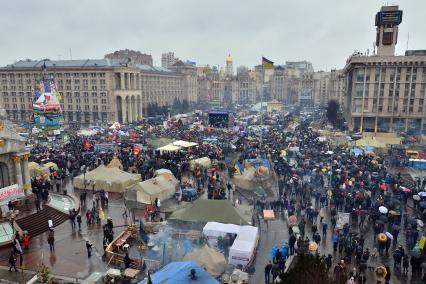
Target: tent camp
[
  {"x": 108, "y": 179},
  {"x": 207, "y": 210},
  {"x": 177, "y": 273},
  {"x": 147, "y": 191},
  {"x": 209, "y": 258},
  {"x": 204, "y": 162}
]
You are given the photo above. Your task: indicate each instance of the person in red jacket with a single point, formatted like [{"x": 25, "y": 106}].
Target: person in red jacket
[{"x": 26, "y": 240}]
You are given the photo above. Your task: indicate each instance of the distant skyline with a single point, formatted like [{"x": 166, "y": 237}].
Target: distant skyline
[{"x": 325, "y": 33}]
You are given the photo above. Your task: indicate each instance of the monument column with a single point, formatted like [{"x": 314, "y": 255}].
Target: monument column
[
  {"x": 18, "y": 171},
  {"x": 26, "y": 172}
]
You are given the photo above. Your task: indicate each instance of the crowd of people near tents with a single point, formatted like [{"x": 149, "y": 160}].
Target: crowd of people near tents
[{"x": 318, "y": 183}]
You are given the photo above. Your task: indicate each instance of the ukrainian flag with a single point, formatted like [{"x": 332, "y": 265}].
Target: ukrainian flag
[
  {"x": 238, "y": 167},
  {"x": 266, "y": 63}
]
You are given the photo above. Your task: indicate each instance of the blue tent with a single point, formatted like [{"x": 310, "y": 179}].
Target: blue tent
[
  {"x": 177, "y": 273},
  {"x": 357, "y": 151}
]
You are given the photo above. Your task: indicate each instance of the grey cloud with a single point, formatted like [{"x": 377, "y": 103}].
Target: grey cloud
[{"x": 324, "y": 32}]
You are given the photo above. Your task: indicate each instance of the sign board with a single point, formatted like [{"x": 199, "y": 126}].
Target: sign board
[
  {"x": 10, "y": 193},
  {"x": 342, "y": 219}
]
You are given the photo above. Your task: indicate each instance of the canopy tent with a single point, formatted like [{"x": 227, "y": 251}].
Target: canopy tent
[
  {"x": 243, "y": 248},
  {"x": 209, "y": 258},
  {"x": 87, "y": 132},
  {"x": 184, "y": 144},
  {"x": 214, "y": 230},
  {"x": 108, "y": 179},
  {"x": 115, "y": 163},
  {"x": 204, "y": 162},
  {"x": 206, "y": 210},
  {"x": 169, "y": 148},
  {"x": 37, "y": 170},
  {"x": 147, "y": 191},
  {"x": 177, "y": 273},
  {"x": 160, "y": 142},
  {"x": 163, "y": 171}
]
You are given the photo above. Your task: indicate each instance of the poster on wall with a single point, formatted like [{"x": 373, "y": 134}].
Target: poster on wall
[{"x": 10, "y": 193}]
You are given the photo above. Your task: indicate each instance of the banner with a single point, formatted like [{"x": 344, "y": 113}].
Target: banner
[{"x": 10, "y": 193}]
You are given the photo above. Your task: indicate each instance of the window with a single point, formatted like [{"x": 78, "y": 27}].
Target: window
[
  {"x": 94, "y": 94},
  {"x": 102, "y": 75},
  {"x": 85, "y": 94},
  {"x": 76, "y": 81},
  {"x": 93, "y": 82},
  {"x": 86, "y": 107},
  {"x": 421, "y": 103},
  {"x": 104, "y": 101},
  {"x": 95, "y": 101},
  {"x": 86, "y": 101},
  {"x": 85, "y": 82},
  {"x": 93, "y": 75},
  {"x": 94, "y": 88}
]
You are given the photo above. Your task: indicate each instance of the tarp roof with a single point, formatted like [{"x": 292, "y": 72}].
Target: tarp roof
[
  {"x": 205, "y": 210},
  {"x": 177, "y": 273},
  {"x": 158, "y": 187},
  {"x": 108, "y": 179},
  {"x": 169, "y": 148}
]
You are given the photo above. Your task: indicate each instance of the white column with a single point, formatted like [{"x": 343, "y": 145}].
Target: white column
[
  {"x": 122, "y": 81},
  {"x": 124, "y": 109},
  {"x": 26, "y": 172},
  {"x": 18, "y": 171}
]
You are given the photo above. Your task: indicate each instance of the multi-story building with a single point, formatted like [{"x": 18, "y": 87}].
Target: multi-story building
[
  {"x": 132, "y": 56},
  {"x": 168, "y": 59},
  {"x": 190, "y": 85},
  {"x": 386, "y": 93},
  {"x": 278, "y": 87},
  {"x": 337, "y": 85},
  {"x": 94, "y": 91}
]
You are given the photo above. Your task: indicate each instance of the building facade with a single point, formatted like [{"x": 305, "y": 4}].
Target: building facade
[
  {"x": 13, "y": 156},
  {"x": 95, "y": 91},
  {"x": 386, "y": 93}
]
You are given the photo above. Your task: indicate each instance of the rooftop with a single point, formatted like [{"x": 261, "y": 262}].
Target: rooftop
[{"x": 80, "y": 64}]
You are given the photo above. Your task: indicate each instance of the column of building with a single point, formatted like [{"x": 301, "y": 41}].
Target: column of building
[
  {"x": 18, "y": 171},
  {"x": 26, "y": 172}
]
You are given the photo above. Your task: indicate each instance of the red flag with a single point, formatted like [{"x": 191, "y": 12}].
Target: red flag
[
  {"x": 136, "y": 149},
  {"x": 87, "y": 145}
]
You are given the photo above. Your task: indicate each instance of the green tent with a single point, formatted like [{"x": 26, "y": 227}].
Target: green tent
[{"x": 205, "y": 210}]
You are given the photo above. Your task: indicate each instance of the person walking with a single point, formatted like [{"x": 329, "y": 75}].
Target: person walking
[
  {"x": 79, "y": 222},
  {"x": 51, "y": 241},
  {"x": 89, "y": 249},
  {"x": 12, "y": 262}
]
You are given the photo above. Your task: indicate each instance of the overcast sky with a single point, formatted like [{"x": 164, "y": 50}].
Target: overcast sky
[{"x": 324, "y": 32}]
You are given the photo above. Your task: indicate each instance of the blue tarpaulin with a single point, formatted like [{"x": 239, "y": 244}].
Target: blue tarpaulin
[
  {"x": 177, "y": 273},
  {"x": 259, "y": 162}
]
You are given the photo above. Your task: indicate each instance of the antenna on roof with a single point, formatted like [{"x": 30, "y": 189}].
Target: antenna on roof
[
  {"x": 70, "y": 54},
  {"x": 408, "y": 39}
]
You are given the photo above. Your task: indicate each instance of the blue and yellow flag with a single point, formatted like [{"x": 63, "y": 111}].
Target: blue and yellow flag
[
  {"x": 238, "y": 167},
  {"x": 266, "y": 63}
]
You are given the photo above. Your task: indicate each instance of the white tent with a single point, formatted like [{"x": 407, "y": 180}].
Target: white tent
[
  {"x": 212, "y": 230},
  {"x": 169, "y": 148},
  {"x": 184, "y": 144},
  {"x": 204, "y": 162},
  {"x": 159, "y": 187},
  {"x": 242, "y": 250}
]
